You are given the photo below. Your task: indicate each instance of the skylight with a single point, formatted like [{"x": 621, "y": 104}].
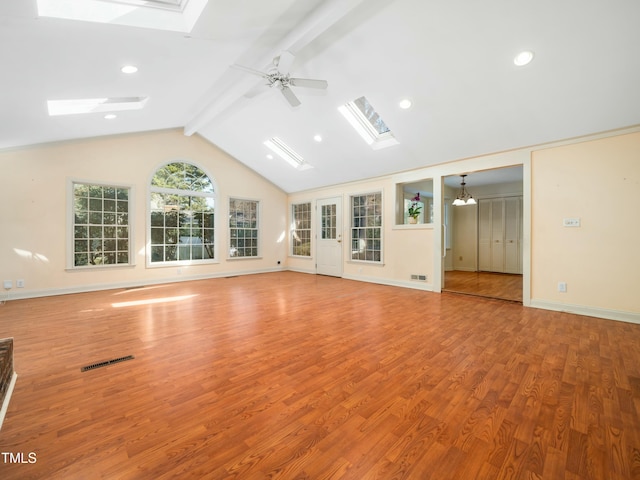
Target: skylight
[
  {"x": 172, "y": 15},
  {"x": 92, "y": 105},
  {"x": 368, "y": 123},
  {"x": 287, "y": 153}
]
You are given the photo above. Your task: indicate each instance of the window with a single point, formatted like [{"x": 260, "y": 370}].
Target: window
[
  {"x": 367, "y": 122},
  {"x": 243, "y": 228},
  {"x": 301, "y": 229},
  {"x": 101, "y": 232},
  {"x": 329, "y": 221},
  {"x": 182, "y": 226},
  {"x": 170, "y": 15},
  {"x": 418, "y": 196},
  {"x": 366, "y": 227}
]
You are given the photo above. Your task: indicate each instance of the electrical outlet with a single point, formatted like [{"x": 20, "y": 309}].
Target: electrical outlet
[
  {"x": 570, "y": 222},
  {"x": 562, "y": 287},
  {"x": 8, "y": 284},
  {"x": 20, "y": 283}
]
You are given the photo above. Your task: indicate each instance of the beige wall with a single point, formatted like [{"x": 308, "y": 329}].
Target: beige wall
[
  {"x": 405, "y": 251},
  {"x": 33, "y": 209},
  {"x": 597, "y": 181}
]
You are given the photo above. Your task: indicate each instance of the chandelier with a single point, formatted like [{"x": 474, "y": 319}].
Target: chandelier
[{"x": 464, "y": 197}]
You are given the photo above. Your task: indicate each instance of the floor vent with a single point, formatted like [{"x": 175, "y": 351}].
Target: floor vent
[{"x": 93, "y": 366}]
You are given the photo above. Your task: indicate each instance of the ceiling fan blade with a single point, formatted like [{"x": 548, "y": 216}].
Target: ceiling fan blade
[
  {"x": 308, "y": 83},
  {"x": 285, "y": 61},
  {"x": 290, "y": 96},
  {"x": 250, "y": 70}
]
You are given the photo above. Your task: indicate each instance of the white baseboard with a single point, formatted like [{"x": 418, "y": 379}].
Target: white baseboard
[
  {"x": 5, "y": 403},
  {"x": 622, "y": 316},
  {"x": 133, "y": 284},
  {"x": 301, "y": 270},
  {"x": 415, "y": 284}
]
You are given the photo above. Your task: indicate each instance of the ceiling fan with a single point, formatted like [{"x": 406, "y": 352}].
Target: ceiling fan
[{"x": 277, "y": 75}]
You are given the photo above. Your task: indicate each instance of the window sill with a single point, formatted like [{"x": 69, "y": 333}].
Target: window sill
[
  {"x": 234, "y": 259},
  {"x": 366, "y": 262},
  {"x": 93, "y": 268},
  {"x": 413, "y": 226},
  {"x": 193, "y": 263}
]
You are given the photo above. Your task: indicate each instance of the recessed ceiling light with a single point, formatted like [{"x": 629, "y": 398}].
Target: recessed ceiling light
[
  {"x": 523, "y": 58},
  {"x": 129, "y": 69},
  {"x": 317, "y": 138},
  {"x": 269, "y": 156},
  {"x": 405, "y": 103},
  {"x": 110, "y": 116}
]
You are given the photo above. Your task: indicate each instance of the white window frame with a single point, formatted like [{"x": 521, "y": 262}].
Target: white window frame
[
  {"x": 131, "y": 13},
  {"x": 295, "y": 229},
  {"x": 186, "y": 193},
  {"x": 256, "y": 229},
  {"x": 353, "y": 227},
  {"x": 71, "y": 211},
  {"x": 361, "y": 124}
]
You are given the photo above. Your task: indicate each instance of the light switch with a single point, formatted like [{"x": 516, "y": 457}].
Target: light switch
[{"x": 570, "y": 222}]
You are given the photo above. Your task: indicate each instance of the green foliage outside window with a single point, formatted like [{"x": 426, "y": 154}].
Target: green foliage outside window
[{"x": 182, "y": 214}]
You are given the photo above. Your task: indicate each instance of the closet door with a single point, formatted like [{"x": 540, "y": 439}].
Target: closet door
[
  {"x": 497, "y": 235},
  {"x": 500, "y": 235},
  {"x": 513, "y": 234},
  {"x": 484, "y": 235}
]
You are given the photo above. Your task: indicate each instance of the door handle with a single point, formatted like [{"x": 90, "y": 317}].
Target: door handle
[{"x": 339, "y": 241}]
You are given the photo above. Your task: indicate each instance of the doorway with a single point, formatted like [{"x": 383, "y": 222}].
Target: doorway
[
  {"x": 329, "y": 237},
  {"x": 484, "y": 248}
]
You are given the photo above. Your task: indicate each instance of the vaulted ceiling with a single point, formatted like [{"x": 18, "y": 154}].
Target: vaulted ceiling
[{"x": 452, "y": 58}]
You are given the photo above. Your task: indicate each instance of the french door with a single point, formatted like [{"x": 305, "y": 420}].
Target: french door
[{"x": 329, "y": 237}]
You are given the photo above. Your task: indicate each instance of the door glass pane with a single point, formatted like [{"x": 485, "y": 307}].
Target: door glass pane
[{"x": 328, "y": 219}]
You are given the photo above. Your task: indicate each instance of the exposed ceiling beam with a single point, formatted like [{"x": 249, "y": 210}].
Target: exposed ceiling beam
[{"x": 232, "y": 93}]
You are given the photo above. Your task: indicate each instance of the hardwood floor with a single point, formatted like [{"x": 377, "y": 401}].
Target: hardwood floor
[
  {"x": 295, "y": 376},
  {"x": 485, "y": 284}
]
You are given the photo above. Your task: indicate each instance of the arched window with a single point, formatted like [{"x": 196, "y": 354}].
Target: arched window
[{"x": 182, "y": 215}]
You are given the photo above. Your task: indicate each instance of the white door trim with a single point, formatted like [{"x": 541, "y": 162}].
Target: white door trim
[{"x": 329, "y": 237}]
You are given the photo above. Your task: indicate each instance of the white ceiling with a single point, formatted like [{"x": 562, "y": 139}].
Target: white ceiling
[{"x": 453, "y": 58}]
